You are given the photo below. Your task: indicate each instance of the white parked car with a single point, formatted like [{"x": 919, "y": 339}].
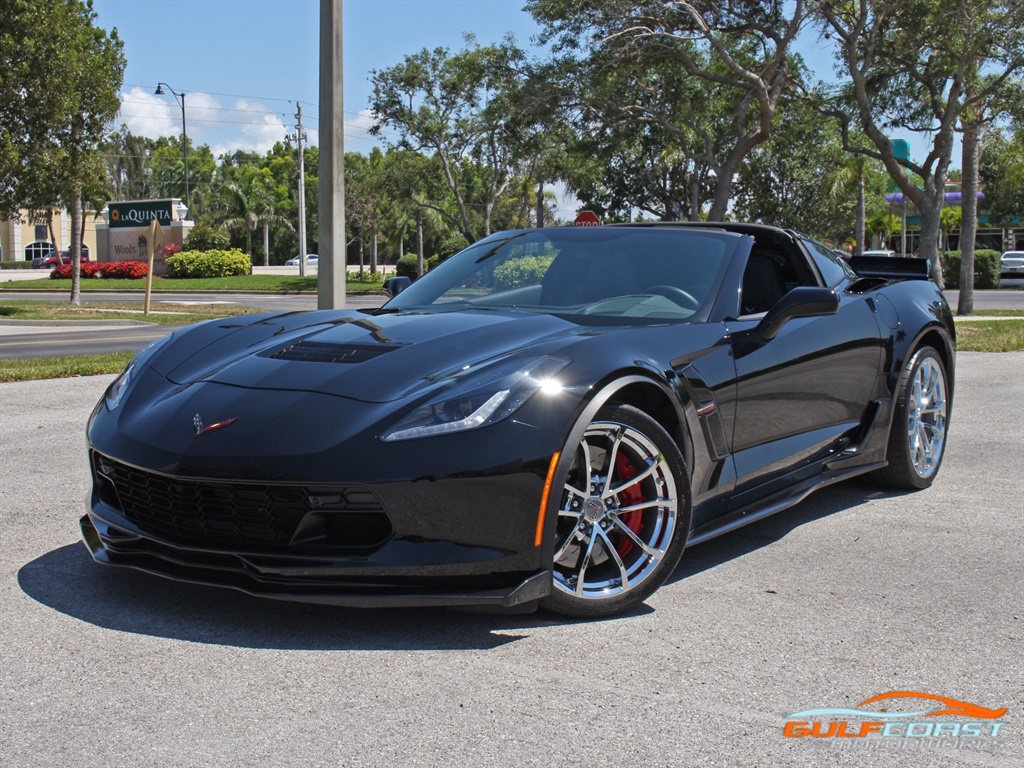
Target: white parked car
[
  {"x": 887, "y": 254},
  {"x": 1011, "y": 266},
  {"x": 311, "y": 260}
]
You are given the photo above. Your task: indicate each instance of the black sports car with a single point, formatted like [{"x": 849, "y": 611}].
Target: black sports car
[{"x": 550, "y": 417}]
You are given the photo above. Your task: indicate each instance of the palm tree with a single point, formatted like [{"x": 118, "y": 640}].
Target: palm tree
[
  {"x": 251, "y": 206},
  {"x": 843, "y": 178}
]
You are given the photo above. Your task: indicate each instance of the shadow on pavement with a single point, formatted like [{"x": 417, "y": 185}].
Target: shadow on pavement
[
  {"x": 67, "y": 580},
  {"x": 828, "y": 501}
]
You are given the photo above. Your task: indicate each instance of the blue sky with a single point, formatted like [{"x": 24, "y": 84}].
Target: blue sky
[{"x": 241, "y": 62}]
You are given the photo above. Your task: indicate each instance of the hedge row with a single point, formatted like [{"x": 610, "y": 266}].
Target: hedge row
[
  {"x": 189, "y": 264},
  {"x": 986, "y": 269},
  {"x": 111, "y": 270},
  {"x": 516, "y": 273}
]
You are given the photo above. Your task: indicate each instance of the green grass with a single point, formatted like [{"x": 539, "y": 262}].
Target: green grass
[
  {"x": 160, "y": 314},
  {"x": 990, "y": 336},
  {"x": 976, "y": 336},
  {"x": 256, "y": 283},
  {"x": 91, "y": 365},
  {"x": 997, "y": 312},
  {"x": 63, "y": 367}
]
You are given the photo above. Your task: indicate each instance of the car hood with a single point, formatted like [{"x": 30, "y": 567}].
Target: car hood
[{"x": 373, "y": 358}]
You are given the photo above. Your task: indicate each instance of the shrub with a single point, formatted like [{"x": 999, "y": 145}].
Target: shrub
[
  {"x": 449, "y": 247},
  {"x": 124, "y": 270},
  {"x": 111, "y": 270},
  {"x": 170, "y": 250},
  {"x": 516, "y": 273},
  {"x": 206, "y": 238},
  {"x": 89, "y": 269},
  {"x": 406, "y": 267},
  {"x": 986, "y": 269},
  {"x": 432, "y": 262},
  {"x": 209, "y": 264},
  {"x": 366, "y": 276}
]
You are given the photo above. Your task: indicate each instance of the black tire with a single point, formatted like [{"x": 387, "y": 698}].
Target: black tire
[
  {"x": 917, "y": 439},
  {"x": 622, "y": 525}
]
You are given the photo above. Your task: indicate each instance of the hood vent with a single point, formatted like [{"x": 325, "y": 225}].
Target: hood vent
[{"x": 320, "y": 352}]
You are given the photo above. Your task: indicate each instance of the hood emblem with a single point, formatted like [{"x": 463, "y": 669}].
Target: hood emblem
[{"x": 202, "y": 429}]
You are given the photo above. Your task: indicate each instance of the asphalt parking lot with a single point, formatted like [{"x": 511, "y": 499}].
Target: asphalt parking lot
[{"x": 854, "y": 593}]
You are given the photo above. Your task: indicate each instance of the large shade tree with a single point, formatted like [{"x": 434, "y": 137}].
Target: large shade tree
[
  {"x": 741, "y": 52},
  {"x": 453, "y": 107},
  {"x": 59, "y": 78},
  {"x": 914, "y": 65}
]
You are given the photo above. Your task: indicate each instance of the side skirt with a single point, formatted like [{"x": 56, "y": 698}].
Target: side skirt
[{"x": 776, "y": 503}]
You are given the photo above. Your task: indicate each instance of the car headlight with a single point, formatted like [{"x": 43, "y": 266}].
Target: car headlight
[
  {"x": 481, "y": 399},
  {"x": 116, "y": 390}
]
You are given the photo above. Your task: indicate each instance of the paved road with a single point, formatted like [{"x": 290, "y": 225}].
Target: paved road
[
  {"x": 14, "y": 344},
  {"x": 854, "y": 593},
  {"x": 18, "y": 342}
]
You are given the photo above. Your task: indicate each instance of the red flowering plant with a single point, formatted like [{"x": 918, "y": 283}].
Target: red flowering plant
[
  {"x": 114, "y": 270},
  {"x": 89, "y": 269},
  {"x": 124, "y": 270}
]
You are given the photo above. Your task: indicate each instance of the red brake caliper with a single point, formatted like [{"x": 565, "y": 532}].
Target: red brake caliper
[{"x": 624, "y": 470}]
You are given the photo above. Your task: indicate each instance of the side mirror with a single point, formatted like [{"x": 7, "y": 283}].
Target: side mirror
[
  {"x": 799, "y": 302},
  {"x": 395, "y": 285}
]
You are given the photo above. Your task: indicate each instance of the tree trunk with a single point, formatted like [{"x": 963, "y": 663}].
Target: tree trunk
[
  {"x": 54, "y": 242},
  {"x": 929, "y": 246},
  {"x": 858, "y": 248},
  {"x": 695, "y": 198},
  {"x": 373, "y": 251},
  {"x": 969, "y": 224},
  {"x": 419, "y": 242},
  {"x": 76, "y": 249},
  {"x": 540, "y": 203},
  {"x": 266, "y": 244}
]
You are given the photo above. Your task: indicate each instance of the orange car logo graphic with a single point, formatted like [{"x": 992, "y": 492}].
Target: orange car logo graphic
[
  {"x": 874, "y": 718},
  {"x": 950, "y": 706}
]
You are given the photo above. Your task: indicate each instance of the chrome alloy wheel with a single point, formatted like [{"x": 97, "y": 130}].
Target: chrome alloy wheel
[
  {"x": 926, "y": 417},
  {"x": 618, "y": 514}
]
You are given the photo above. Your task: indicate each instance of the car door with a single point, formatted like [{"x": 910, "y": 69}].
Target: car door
[{"x": 801, "y": 394}]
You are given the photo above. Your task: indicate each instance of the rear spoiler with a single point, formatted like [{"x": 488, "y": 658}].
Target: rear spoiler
[{"x": 891, "y": 268}]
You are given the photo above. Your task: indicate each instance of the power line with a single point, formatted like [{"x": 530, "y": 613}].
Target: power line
[{"x": 243, "y": 96}]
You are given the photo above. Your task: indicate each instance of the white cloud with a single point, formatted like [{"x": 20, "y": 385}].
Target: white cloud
[
  {"x": 149, "y": 115},
  {"x": 245, "y": 124}
]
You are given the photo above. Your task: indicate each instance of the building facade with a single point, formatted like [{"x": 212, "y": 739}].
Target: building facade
[{"x": 29, "y": 236}]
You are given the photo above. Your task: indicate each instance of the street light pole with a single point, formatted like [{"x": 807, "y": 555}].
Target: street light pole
[{"x": 184, "y": 134}]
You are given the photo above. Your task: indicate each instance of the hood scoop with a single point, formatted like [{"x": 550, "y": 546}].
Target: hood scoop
[{"x": 325, "y": 352}]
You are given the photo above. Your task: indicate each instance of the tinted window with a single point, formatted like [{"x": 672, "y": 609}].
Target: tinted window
[
  {"x": 608, "y": 271},
  {"x": 832, "y": 268}
]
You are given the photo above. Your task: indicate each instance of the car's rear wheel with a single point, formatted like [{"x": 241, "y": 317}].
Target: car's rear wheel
[
  {"x": 917, "y": 440},
  {"x": 623, "y": 518}
]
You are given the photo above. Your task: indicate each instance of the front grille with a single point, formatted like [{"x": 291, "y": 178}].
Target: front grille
[{"x": 258, "y": 515}]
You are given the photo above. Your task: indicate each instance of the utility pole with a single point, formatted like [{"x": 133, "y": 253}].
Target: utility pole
[
  {"x": 299, "y": 137},
  {"x": 331, "y": 277}
]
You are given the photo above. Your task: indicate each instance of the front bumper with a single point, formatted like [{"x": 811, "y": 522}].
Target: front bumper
[{"x": 309, "y": 579}]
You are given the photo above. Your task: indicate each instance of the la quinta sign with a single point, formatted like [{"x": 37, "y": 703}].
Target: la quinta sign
[{"x": 139, "y": 214}]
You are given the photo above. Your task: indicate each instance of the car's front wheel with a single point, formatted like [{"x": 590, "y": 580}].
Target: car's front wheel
[{"x": 623, "y": 518}]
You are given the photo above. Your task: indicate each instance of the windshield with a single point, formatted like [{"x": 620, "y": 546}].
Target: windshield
[{"x": 628, "y": 272}]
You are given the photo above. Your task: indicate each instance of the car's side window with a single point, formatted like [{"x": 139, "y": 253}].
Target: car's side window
[{"x": 832, "y": 269}]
